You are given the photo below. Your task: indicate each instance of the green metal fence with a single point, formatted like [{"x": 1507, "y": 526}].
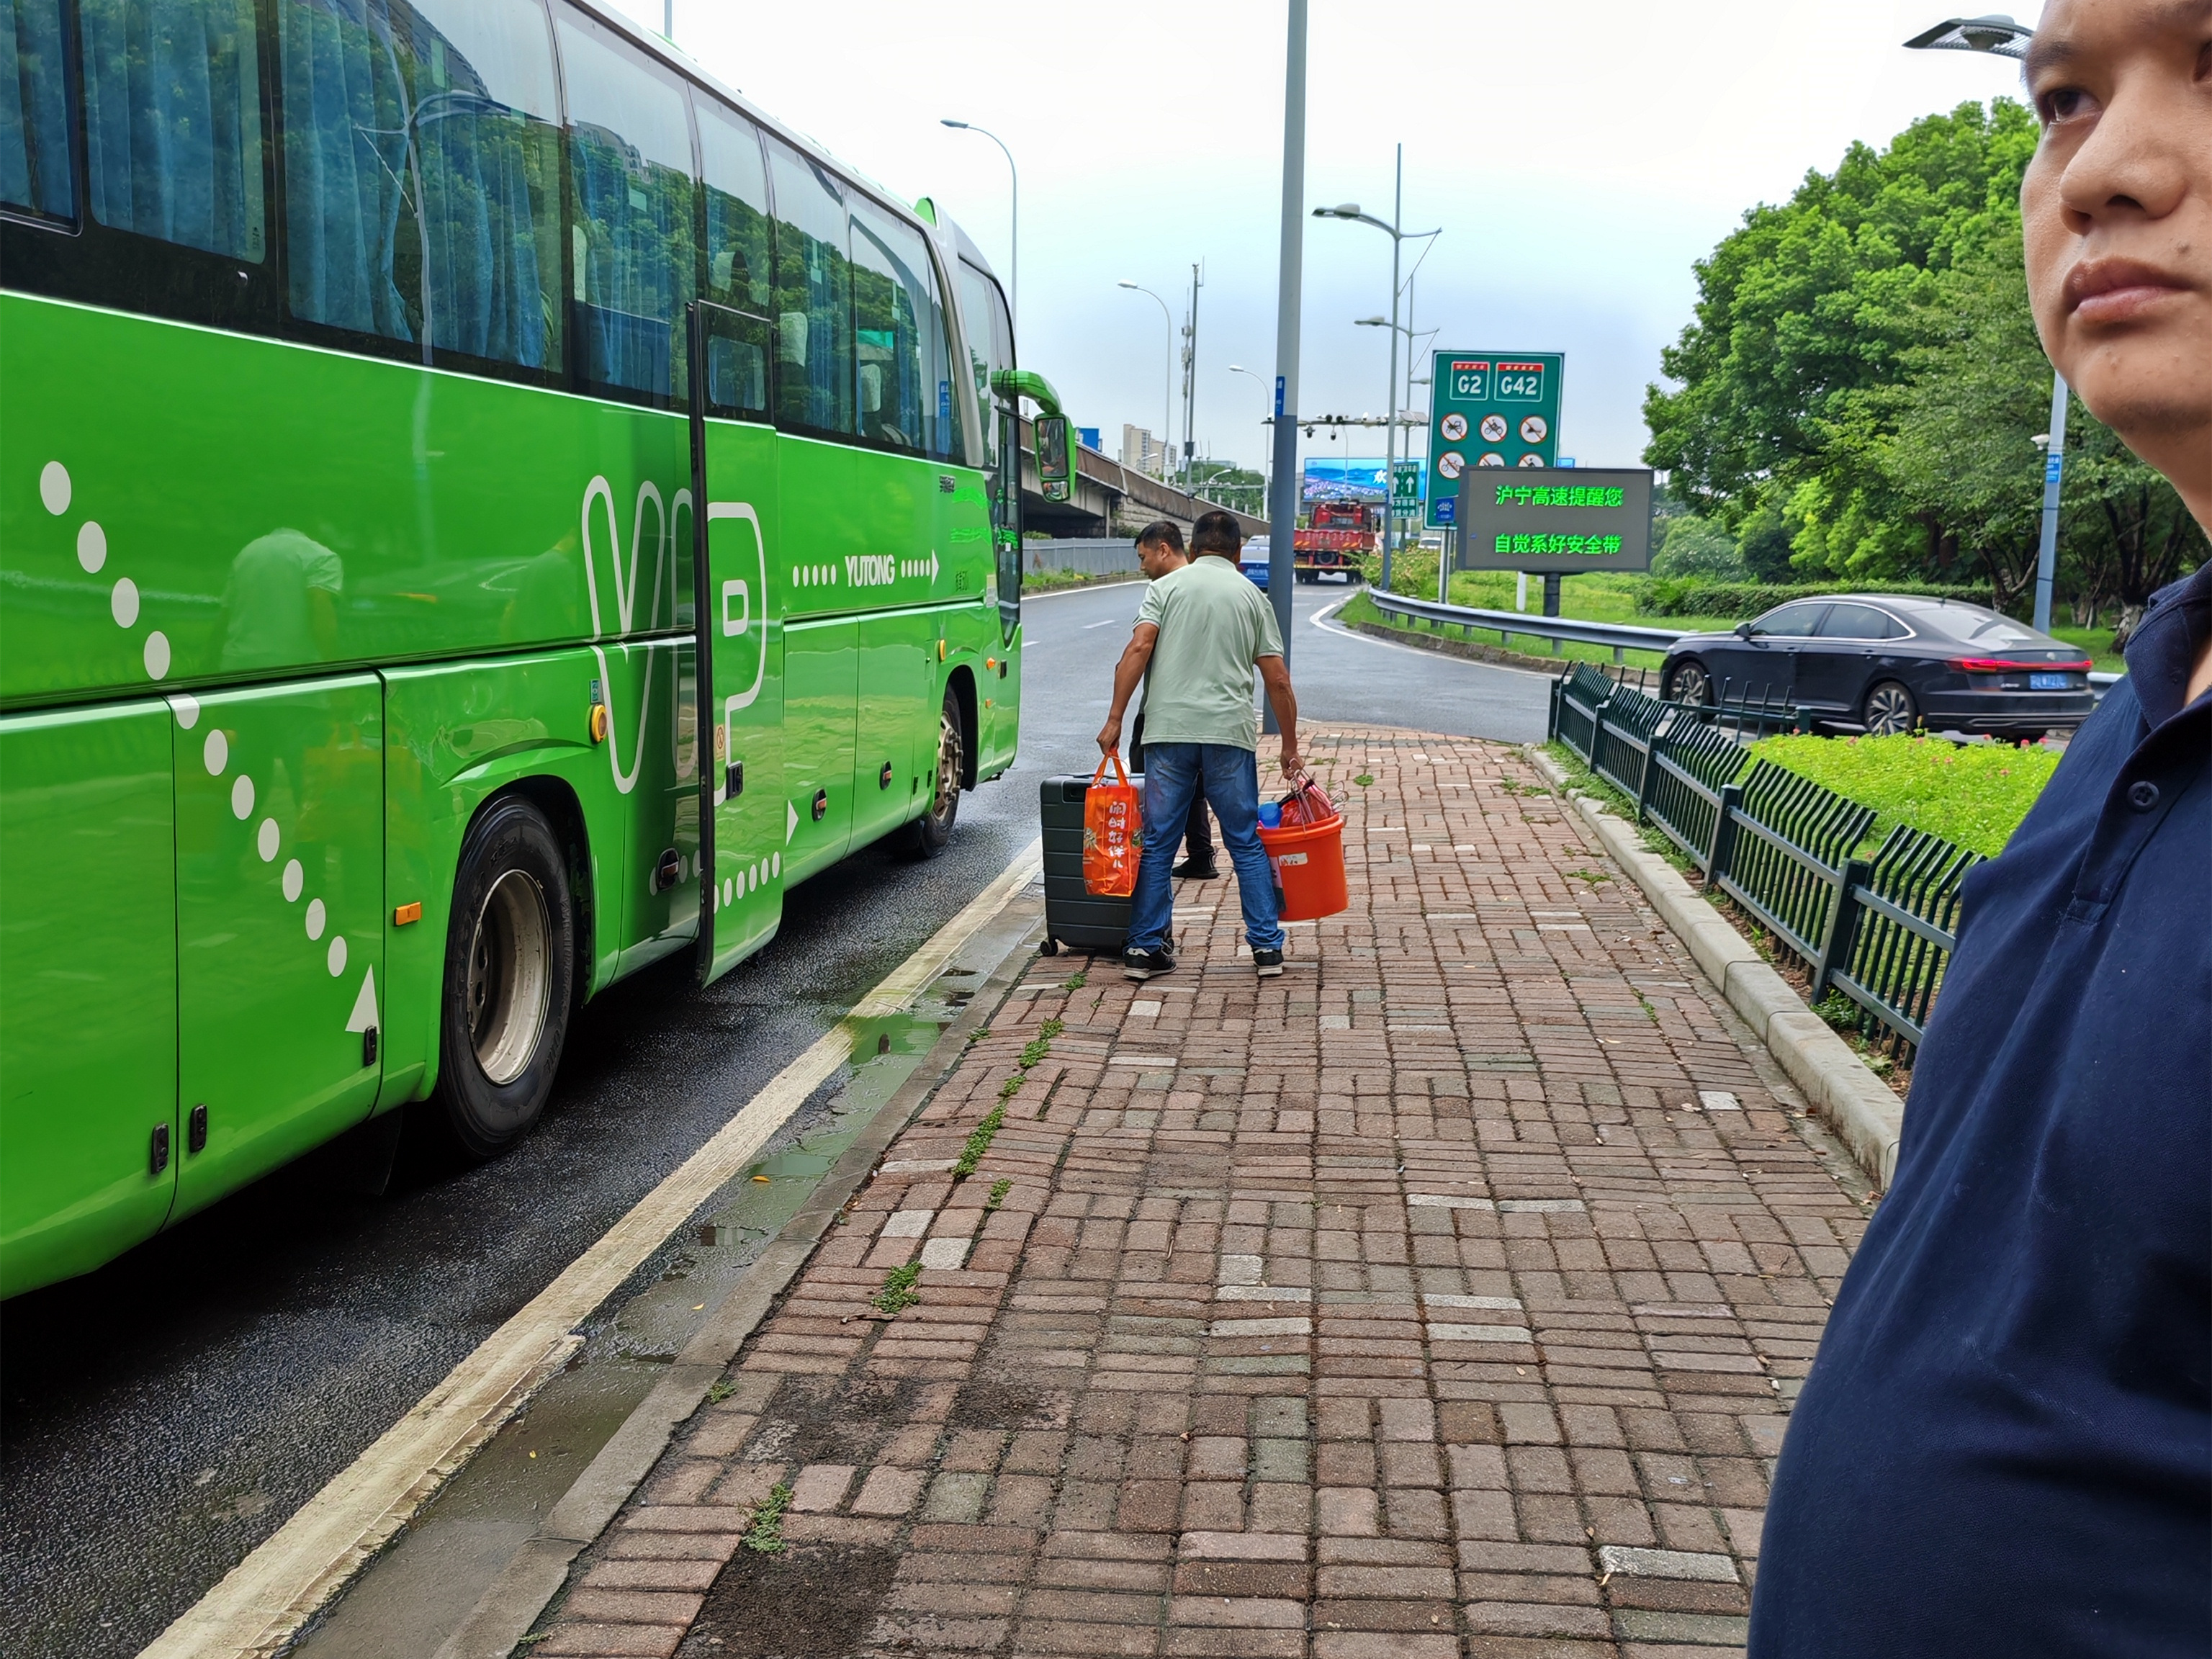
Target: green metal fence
[{"x": 1880, "y": 930}]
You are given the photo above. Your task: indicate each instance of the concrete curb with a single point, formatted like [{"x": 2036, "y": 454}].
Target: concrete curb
[
  {"x": 1495, "y": 656},
  {"x": 1862, "y": 1109},
  {"x": 504, "y": 1613}
]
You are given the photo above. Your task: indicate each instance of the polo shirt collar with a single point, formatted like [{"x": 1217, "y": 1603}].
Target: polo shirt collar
[{"x": 2164, "y": 645}]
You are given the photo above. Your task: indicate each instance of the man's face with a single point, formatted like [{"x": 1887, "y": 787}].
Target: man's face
[
  {"x": 1155, "y": 559},
  {"x": 2116, "y": 208}
]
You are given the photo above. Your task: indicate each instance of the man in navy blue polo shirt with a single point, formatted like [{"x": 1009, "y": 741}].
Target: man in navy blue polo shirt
[{"x": 2005, "y": 1444}]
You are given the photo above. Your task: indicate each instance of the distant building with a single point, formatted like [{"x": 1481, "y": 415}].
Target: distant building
[{"x": 1143, "y": 452}]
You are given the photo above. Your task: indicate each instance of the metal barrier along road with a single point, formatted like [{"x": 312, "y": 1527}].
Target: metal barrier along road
[
  {"x": 1621, "y": 636},
  {"x": 1880, "y": 931}
]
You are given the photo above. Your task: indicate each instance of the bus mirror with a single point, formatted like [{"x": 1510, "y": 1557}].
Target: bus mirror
[{"x": 1055, "y": 461}]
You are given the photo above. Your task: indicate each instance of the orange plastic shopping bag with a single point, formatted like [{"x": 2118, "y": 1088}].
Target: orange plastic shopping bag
[{"x": 1113, "y": 832}]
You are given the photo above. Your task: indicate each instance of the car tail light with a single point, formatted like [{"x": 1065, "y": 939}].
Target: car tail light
[{"x": 2006, "y": 665}]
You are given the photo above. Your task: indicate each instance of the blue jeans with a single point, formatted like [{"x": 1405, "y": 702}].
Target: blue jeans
[{"x": 1230, "y": 777}]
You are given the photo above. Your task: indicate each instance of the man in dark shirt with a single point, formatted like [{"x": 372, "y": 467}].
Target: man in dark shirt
[{"x": 2005, "y": 1444}]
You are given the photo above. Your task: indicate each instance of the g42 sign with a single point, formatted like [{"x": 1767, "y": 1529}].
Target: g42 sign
[{"x": 1495, "y": 409}]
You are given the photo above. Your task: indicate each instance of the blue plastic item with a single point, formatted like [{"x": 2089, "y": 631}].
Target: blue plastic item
[{"x": 1271, "y": 814}]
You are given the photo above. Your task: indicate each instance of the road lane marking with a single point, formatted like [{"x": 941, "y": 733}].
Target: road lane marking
[
  {"x": 1326, "y": 621},
  {"x": 1109, "y": 622},
  {"x": 264, "y": 1601}
]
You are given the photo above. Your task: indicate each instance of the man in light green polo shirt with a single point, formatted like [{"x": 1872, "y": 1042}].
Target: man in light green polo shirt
[{"x": 1201, "y": 634}]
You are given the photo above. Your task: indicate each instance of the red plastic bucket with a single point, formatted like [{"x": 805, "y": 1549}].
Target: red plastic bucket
[{"x": 1308, "y": 862}]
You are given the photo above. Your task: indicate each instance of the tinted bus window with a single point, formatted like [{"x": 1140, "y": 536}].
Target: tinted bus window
[
  {"x": 740, "y": 274},
  {"x": 35, "y": 176},
  {"x": 813, "y": 301},
  {"x": 421, "y": 172},
  {"x": 172, "y": 122},
  {"x": 630, "y": 226},
  {"x": 990, "y": 347},
  {"x": 905, "y": 386}
]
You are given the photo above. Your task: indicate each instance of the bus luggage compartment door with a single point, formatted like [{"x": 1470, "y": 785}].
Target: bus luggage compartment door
[
  {"x": 743, "y": 828},
  {"x": 88, "y": 1146},
  {"x": 280, "y": 925}
]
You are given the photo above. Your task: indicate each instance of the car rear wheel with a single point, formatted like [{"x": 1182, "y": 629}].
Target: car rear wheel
[
  {"x": 1888, "y": 710},
  {"x": 1688, "y": 682},
  {"x": 509, "y": 961},
  {"x": 934, "y": 827}
]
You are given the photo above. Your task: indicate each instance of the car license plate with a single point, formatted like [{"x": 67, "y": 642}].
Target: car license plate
[{"x": 2050, "y": 681}]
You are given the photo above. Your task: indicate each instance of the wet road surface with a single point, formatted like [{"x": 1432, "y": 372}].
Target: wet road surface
[{"x": 158, "y": 1419}]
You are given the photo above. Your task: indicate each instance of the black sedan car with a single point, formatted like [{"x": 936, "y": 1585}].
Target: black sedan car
[{"x": 1884, "y": 663}]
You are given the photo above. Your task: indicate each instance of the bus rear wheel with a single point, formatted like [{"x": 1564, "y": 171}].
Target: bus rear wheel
[
  {"x": 510, "y": 958},
  {"x": 934, "y": 827}
]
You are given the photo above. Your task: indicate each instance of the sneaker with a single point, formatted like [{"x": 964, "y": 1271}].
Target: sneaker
[
  {"x": 1144, "y": 964},
  {"x": 1268, "y": 963},
  {"x": 1192, "y": 870}
]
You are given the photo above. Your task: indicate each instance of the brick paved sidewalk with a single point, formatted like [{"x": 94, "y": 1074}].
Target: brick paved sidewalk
[{"x": 1443, "y": 1295}]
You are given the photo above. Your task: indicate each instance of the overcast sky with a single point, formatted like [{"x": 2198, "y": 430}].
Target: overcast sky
[{"x": 1578, "y": 156}]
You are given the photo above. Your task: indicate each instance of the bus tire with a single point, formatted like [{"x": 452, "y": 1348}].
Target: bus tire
[
  {"x": 933, "y": 828},
  {"x": 510, "y": 955}
]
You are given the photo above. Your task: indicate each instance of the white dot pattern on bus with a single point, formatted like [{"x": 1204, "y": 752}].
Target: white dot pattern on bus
[
  {"x": 338, "y": 955},
  {"x": 56, "y": 491},
  {"x": 241, "y": 798},
  {"x": 295, "y": 878},
  {"x": 214, "y": 753},
  {"x": 266, "y": 839},
  {"x": 187, "y": 708},
  {"x": 316, "y": 917}
]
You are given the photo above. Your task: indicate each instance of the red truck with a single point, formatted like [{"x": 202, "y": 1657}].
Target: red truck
[{"x": 1341, "y": 532}]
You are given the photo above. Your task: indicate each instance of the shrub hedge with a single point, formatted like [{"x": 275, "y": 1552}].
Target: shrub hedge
[{"x": 1689, "y": 597}]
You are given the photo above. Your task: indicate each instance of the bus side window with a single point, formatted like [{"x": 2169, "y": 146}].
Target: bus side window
[
  {"x": 631, "y": 222},
  {"x": 420, "y": 152},
  {"x": 172, "y": 123},
  {"x": 733, "y": 178},
  {"x": 812, "y": 307},
  {"x": 983, "y": 310},
  {"x": 891, "y": 298},
  {"x": 37, "y": 176}
]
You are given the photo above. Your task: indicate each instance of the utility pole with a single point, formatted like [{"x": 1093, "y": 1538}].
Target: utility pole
[
  {"x": 1190, "y": 376},
  {"x": 1390, "y": 409},
  {"x": 1283, "y": 494},
  {"x": 2054, "y": 467}
]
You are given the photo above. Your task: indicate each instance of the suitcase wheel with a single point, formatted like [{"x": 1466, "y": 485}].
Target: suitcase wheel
[{"x": 1049, "y": 948}]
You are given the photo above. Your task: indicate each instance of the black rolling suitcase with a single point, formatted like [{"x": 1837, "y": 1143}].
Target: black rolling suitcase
[{"x": 1074, "y": 917}]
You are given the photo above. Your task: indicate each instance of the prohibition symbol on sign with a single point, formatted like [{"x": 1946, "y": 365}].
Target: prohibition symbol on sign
[
  {"x": 1450, "y": 462},
  {"x": 1493, "y": 459},
  {"x": 1533, "y": 429},
  {"x": 1454, "y": 427},
  {"x": 1532, "y": 459},
  {"x": 1493, "y": 429}
]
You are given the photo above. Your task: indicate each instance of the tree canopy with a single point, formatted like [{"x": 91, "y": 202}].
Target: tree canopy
[{"x": 1862, "y": 383}]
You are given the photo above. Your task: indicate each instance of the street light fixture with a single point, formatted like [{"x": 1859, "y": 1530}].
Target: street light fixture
[
  {"x": 1014, "y": 228},
  {"x": 1399, "y": 237},
  {"x": 1997, "y": 35},
  {"x": 1167, "y": 381}
]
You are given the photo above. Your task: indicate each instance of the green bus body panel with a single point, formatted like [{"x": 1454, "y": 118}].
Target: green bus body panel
[
  {"x": 399, "y": 591},
  {"x": 280, "y": 921},
  {"x": 87, "y": 988},
  {"x": 745, "y": 707}
]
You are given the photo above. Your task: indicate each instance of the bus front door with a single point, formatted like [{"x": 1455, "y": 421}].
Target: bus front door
[{"x": 743, "y": 829}]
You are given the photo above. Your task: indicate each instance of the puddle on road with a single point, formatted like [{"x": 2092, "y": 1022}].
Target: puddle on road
[{"x": 421, "y": 1588}]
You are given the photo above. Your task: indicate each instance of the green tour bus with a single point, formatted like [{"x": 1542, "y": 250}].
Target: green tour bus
[{"x": 482, "y": 510}]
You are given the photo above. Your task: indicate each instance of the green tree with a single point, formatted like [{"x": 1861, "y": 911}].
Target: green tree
[{"x": 1699, "y": 547}]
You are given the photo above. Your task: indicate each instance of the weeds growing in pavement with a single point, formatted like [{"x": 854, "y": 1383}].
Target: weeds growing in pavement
[
  {"x": 898, "y": 1292},
  {"x": 1593, "y": 877},
  {"x": 1364, "y": 779},
  {"x": 978, "y": 1034},
  {"x": 999, "y": 1188},
  {"x": 766, "y": 1533},
  {"x": 1051, "y": 1029},
  {"x": 979, "y": 1141},
  {"x": 1076, "y": 982},
  {"x": 720, "y": 1390}
]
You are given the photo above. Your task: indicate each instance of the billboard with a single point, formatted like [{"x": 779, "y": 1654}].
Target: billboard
[
  {"x": 1349, "y": 479},
  {"x": 1490, "y": 409},
  {"x": 1551, "y": 520}
]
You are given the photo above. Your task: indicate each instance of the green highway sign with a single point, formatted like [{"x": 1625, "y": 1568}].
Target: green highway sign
[
  {"x": 1548, "y": 520},
  {"x": 1490, "y": 409},
  {"x": 1406, "y": 486}
]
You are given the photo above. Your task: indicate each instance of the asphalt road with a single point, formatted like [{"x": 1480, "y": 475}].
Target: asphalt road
[{"x": 160, "y": 1418}]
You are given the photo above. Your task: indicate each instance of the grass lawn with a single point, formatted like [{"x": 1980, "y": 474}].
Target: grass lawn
[
  {"x": 1362, "y": 610},
  {"x": 1975, "y": 795}
]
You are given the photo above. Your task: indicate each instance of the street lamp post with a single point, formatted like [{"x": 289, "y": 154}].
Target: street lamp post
[
  {"x": 1398, "y": 239},
  {"x": 1289, "y": 271},
  {"x": 1167, "y": 379},
  {"x": 1237, "y": 368},
  {"x": 1998, "y": 36},
  {"x": 1014, "y": 226}
]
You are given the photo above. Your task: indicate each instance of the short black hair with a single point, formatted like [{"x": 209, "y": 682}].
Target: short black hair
[
  {"x": 1217, "y": 532},
  {"x": 1163, "y": 532}
]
